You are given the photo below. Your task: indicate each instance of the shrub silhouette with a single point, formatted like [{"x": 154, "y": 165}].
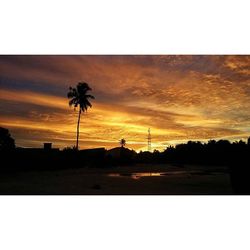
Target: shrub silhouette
[{"x": 6, "y": 141}]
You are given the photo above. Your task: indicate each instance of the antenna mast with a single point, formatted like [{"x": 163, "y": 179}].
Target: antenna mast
[{"x": 149, "y": 140}]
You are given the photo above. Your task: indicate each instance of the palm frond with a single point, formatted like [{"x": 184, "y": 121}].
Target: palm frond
[
  {"x": 90, "y": 96},
  {"x": 73, "y": 101},
  {"x": 88, "y": 103},
  {"x": 79, "y": 96}
]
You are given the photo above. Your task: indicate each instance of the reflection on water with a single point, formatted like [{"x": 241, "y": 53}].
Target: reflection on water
[
  {"x": 137, "y": 175},
  {"x": 153, "y": 174}
]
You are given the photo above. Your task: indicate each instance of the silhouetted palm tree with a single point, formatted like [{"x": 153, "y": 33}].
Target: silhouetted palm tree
[
  {"x": 123, "y": 142},
  {"x": 79, "y": 97}
]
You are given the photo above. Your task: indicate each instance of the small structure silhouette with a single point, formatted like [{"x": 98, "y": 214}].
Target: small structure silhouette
[{"x": 47, "y": 146}]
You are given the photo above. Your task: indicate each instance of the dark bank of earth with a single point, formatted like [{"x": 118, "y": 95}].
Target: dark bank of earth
[{"x": 137, "y": 179}]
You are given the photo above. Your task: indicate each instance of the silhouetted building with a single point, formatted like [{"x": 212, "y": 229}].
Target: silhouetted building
[
  {"x": 114, "y": 152},
  {"x": 47, "y": 146},
  {"x": 93, "y": 152},
  {"x": 91, "y": 157},
  {"x": 121, "y": 153}
]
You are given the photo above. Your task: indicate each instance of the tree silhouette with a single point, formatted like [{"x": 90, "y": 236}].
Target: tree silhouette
[
  {"x": 123, "y": 142},
  {"x": 6, "y": 141},
  {"x": 79, "y": 97}
]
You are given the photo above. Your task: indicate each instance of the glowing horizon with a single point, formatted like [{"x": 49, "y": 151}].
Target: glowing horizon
[{"x": 180, "y": 98}]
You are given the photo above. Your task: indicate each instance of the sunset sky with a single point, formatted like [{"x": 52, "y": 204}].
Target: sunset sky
[{"x": 180, "y": 98}]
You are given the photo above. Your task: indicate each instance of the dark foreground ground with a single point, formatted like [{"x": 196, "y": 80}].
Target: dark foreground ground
[{"x": 138, "y": 179}]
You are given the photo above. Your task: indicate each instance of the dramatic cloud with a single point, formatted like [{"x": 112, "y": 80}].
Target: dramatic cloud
[{"x": 179, "y": 97}]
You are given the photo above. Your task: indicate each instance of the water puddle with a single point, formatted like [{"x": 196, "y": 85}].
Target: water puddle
[
  {"x": 144, "y": 174},
  {"x": 155, "y": 174}
]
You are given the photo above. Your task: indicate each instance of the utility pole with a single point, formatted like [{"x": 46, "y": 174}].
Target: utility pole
[{"x": 149, "y": 140}]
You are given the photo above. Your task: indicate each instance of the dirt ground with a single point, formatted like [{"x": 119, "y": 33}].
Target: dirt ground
[{"x": 138, "y": 179}]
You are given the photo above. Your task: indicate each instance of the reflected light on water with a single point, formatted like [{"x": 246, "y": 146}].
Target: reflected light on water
[
  {"x": 137, "y": 175},
  {"x": 180, "y": 173}
]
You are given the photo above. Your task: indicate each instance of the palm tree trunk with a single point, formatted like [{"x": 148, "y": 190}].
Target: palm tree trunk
[{"x": 77, "y": 131}]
